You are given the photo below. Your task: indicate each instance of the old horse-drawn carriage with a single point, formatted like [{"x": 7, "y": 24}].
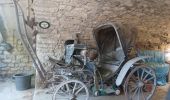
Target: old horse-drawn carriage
[
  {"x": 93, "y": 72},
  {"x": 105, "y": 70}
]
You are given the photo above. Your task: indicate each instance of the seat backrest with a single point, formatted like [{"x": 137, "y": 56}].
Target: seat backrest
[{"x": 120, "y": 54}]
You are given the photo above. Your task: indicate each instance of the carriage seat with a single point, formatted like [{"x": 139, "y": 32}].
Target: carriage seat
[
  {"x": 113, "y": 57},
  {"x": 55, "y": 62},
  {"x": 104, "y": 72},
  {"x": 107, "y": 70},
  {"x": 110, "y": 62}
]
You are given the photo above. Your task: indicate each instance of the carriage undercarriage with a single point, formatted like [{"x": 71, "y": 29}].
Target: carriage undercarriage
[{"x": 140, "y": 84}]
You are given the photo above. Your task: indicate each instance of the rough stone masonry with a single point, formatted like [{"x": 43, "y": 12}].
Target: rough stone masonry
[
  {"x": 69, "y": 17},
  {"x": 13, "y": 58}
]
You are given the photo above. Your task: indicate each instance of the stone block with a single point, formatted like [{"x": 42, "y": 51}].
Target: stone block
[
  {"x": 2, "y": 56},
  {"x": 25, "y": 60},
  {"x": 13, "y": 69},
  {"x": 11, "y": 65},
  {"x": 1, "y": 52},
  {"x": 19, "y": 56},
  {"x": 7, "y": 60}
]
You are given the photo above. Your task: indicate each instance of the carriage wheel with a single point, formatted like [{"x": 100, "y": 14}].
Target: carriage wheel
[
  {"x": 54, "y": 81},
  {"x": 71, "y": 90},
  {"x": 140, "y": 84}
]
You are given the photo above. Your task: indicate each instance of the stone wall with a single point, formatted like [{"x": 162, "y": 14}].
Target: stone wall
[
  {"x": 16, "y": 60},
  {"x": 68, "y": 17}
]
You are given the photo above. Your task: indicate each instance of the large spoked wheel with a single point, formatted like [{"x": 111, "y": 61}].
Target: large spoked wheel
[
  {"x": 140, "y": 84},
  {"x": 71, "y": 90}
]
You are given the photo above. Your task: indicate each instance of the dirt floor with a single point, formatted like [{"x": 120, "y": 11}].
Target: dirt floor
[
  {"x": 160, "y": 94},
  {"x": 8, "y": 92}
]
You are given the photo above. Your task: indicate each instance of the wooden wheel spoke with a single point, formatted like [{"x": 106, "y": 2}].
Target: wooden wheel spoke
[
  {"x": 151, "y": 78},
  {"x": 71, "y": 90},
  {"x": 142, "y": 74},
  {"x": 131, "y": 83},
  {"x": 75, "y": 85},
  {"x": 147, "y": 74},
  {"x": 138, "y": 75},
  {"x": 133, "y": 78},
  {"x": 142, "y": 94},
  {"x": 140, "y": 83},
  {"x": 62, "y": 90},
  {"x": 67, "y": 87},
  {"x": 79, "y": 90},
  {"x": 136, "y": 91},
  {"x": 133, "y": 89},
  {"x": 139, "y": 89}
]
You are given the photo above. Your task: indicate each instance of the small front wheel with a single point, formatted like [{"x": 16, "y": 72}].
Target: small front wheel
[{"x": 71, "y": 90}]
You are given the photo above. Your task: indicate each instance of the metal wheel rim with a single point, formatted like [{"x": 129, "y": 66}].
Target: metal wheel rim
[
  {"x": 145, "y": 79},
  {"x": 72, "y": 91}
]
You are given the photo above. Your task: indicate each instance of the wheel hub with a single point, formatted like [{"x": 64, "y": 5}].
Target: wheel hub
[{"x": 140, "y": 84}]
